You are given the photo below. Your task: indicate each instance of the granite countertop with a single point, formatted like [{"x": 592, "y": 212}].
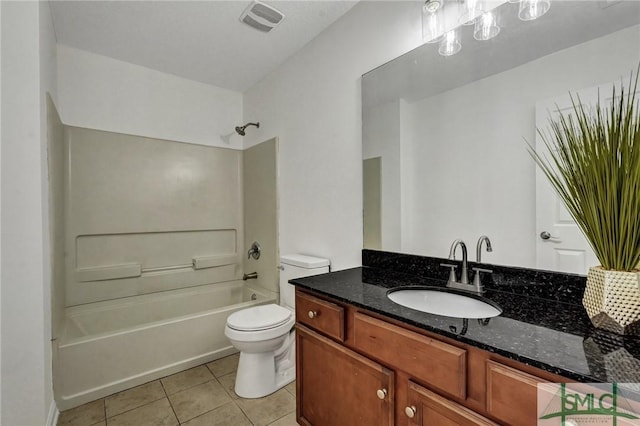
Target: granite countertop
[{"x": 551, "y": 335}]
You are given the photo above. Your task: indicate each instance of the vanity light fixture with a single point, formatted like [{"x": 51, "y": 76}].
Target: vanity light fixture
[
  {"x": 450, "y": 44},
  {"x": 533, "y": 9},
  {"x": 482, "y": 13}
]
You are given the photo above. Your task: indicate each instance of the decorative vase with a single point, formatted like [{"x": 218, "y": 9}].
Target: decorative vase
[{"x": 612, "y": 300}]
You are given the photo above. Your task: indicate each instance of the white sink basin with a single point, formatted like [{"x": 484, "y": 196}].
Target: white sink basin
[{"x": 444, "y": 303}]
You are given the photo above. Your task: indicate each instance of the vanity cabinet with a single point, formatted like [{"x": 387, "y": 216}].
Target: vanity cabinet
[
  {"x": 324, "y": 316},
  {"x": 356, "y": 367},
  {"x": 511, "y": 394},
  {"x": 429, "y": 408},
  {"x": 337, "y": 386}
]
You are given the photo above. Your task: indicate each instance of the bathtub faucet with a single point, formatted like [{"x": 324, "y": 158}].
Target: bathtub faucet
[
  {"x": 250, "y": 276},
  {"x": 254, "y": 251}
]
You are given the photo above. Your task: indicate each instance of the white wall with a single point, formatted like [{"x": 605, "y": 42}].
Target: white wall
[
  {"x": 383, "y": 136},
  {"x": 312, "y": 104},
  {"x": 106, "y": 94},
  {"x": 28, "y": 72}
]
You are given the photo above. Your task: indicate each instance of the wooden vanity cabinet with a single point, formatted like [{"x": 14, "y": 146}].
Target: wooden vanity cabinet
[
  {"x": 511, "y": 394},
  {"x": 355, "y": 367},
  {"x": 428, "y": 408},
  {"x": 321, "y": 315},
  {"x": 338, "y": 387}
]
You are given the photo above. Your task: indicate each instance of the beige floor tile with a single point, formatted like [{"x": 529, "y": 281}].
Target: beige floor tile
[
  {"x": 133, "y": 398},
  {"x": 263, "y": 411},
  {"x": 288, "y": 420},
  {"x": 198, "y": 400},
  {"x": 157, "y": 413},
  {"x": 227, "y": 415},
  {"x": 291, "y": 387},
  {"x": 228, "y": 382},
  {"x": 186, "y": 379},
  {"x": 84, "y": 415},
  {"x": 225, "y": 365}
]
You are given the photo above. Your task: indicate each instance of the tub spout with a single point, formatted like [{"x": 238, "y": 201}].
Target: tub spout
[{"x": 250, "y": 276}]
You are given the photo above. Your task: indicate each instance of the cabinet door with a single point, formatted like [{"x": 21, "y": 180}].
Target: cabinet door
[
  {"x": 512, "y": 395},
  {"x": 429, "y": 408},
  {"x": 338, "y": 387}
]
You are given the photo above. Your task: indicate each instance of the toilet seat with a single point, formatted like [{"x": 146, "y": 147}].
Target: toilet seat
[{"x": 259, "y": 318}]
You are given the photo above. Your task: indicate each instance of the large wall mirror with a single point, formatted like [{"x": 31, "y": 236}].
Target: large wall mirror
[{"x": 444, "y": 151}]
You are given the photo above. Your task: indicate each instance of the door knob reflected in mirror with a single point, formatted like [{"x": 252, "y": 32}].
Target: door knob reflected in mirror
[{"x": 546, "y": 235}]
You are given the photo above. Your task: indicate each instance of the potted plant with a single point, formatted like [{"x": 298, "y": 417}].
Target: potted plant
[{"x": 593, "y": 163}]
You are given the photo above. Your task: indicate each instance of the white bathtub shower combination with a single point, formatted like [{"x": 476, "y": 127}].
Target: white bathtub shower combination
[
  {"x": 110, "y": 346},
  {"x": 149, "y": 245}
]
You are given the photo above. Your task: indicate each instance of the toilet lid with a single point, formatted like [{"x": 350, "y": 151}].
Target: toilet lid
[{"x": 257, "y": 318}]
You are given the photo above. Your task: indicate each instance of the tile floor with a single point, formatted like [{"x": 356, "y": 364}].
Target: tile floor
[{"x": 200, "y": 396}]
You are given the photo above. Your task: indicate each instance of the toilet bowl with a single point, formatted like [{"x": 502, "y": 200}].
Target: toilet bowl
[
  {"x": 264, "y": 334},
  {"x": 259, "y": 333}
]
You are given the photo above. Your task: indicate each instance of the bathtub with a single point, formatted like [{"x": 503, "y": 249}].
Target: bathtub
[{"x": 106, "y": 347}]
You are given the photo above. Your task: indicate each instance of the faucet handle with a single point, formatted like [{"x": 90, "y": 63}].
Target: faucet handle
[
  {"x": 477, "y": 283},
  {"x": 452, "y": 272}
]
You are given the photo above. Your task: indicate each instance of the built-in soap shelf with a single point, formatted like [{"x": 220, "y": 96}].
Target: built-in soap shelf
[{"x": 132, "y": 270}]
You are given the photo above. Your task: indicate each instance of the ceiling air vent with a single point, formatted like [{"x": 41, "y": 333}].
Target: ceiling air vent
[{"x": 261, "y": 16}]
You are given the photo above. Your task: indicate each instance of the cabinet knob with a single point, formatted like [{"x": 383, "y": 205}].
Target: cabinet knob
[
  {"x": 410, "y": 411},
  {"x": 382, "y": 393},
  {"x": 313, "y": 314}
]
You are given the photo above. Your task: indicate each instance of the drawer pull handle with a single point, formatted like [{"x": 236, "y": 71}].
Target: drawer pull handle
[
  {"x": 382, "y": 393},
  {"x": 410, "y": 411},
  {"x": 313, "y": 314}
]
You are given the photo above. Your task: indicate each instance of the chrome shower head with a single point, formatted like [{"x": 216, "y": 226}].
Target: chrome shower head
[{"x": 240, "y": 129}]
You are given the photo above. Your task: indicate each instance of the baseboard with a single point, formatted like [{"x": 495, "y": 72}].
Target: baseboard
[{"x": 52, "y": 418}]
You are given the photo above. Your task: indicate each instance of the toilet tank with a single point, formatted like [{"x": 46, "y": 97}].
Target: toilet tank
[{"x": 298, "y": 266}]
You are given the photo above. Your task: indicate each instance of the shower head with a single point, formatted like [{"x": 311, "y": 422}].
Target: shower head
[{"x": 240, "y": 129}]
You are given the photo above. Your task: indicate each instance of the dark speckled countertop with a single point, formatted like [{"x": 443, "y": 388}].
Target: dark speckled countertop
[{"x": 552, "y": 335}]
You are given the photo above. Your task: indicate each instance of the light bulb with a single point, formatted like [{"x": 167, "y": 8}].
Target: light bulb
[
  {"x": 533, "y": 9},
  {"x": 432, "y": 25},
  {"x": 486, "y": 26},
  {"x": 450, "y": 44},
  {"x": 468, "y": 10}
]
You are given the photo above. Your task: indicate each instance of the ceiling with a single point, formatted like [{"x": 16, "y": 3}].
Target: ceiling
[{"x": 199, "y": 40}]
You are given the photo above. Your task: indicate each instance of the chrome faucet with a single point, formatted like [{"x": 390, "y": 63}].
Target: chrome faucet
[
  {"x": 463, "y": 284},
  {"x": 479, "y": 247},
  {"x": 477, "y": 283},
  {"x": 464, "y": 276}
]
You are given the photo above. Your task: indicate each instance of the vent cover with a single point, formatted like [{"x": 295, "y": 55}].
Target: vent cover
[{"x": 261, "y": 16}]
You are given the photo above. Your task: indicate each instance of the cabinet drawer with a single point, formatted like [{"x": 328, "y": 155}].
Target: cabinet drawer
[
  {"x": 512, "y": 394},
  {"x": 428, "y": 408},
  {"x": 441, "y": 365},
  {"x": 323, "y": 316}
]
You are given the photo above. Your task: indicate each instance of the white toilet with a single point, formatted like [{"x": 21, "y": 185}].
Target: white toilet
[{"x": 264, "y": 334}]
